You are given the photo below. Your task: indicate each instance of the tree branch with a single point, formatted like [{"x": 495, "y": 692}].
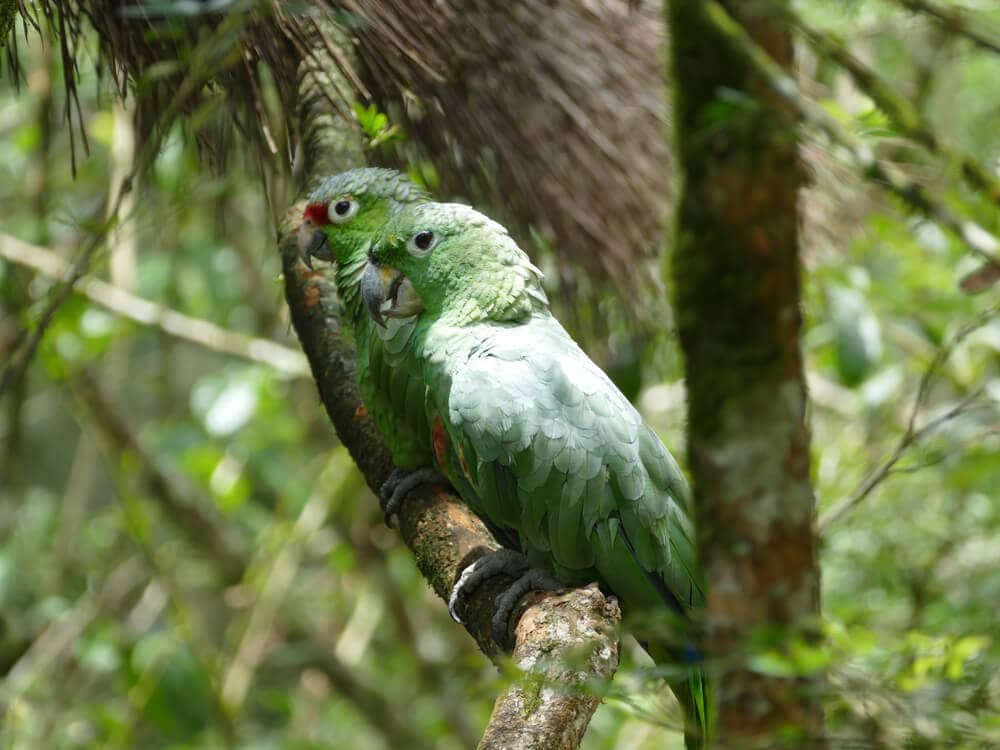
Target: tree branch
[
  {"x": 146, "y": 312},
  {"x": 912, "y": 434},
  {"x": 953, "y": 20},
  {"x": 208, "y": 534},
  {"x": 444, "y": 535},
  {"x": 976, "y": 238},
  {"x": 900, "y": 111},
  {"x": 196, "y": 519},
  {"x": 209, "y": 57}
]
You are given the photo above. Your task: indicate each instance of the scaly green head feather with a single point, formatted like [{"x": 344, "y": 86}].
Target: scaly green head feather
[
  {"x": 344, "y": 215},
  {"x": 350, "y": 208},
  {"x": 462, "y": 264}
]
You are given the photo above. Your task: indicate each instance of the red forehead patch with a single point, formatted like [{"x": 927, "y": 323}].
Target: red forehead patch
[{"x": 316, "y": 213}]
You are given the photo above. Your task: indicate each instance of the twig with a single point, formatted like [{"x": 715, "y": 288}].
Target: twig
[
  {"x": 899, "y": 110},
  {"x": 954, "y": 20},
  {"x": 107, "y": 216},
  {"x": 912, "y": 434},
  {"x": 26, "y": 344},
  {"x": 976, "y": 238},
  {"x": 53, "y": 643},
  {"x": 122, "y": 302}
]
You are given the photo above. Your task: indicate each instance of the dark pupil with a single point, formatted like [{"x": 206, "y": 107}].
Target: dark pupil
[
  {"x": 423, "y": 240},
  {"x": 342, "y": 207}
]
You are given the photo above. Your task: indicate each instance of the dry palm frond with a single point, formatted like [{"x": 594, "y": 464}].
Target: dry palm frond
[
  {"x": 554, "y": 111},
  {"x": 550, "y": 111}
]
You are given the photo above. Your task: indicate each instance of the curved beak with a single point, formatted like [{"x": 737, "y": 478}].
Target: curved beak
[
  {"x": 376, "y": 283},
  {"x": 313, "y": 244},
  {"x": 380, "y": 285}
]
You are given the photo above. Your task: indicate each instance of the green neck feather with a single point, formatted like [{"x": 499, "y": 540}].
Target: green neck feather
[{"x": 475, "y": 285}]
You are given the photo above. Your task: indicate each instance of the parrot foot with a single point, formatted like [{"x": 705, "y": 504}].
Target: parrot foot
[
  {"x": 398, "y": 486},
  {"x": 501, "y": 562}
]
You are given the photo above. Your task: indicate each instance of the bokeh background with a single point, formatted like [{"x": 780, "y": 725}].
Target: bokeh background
[{"x": 190, "y": 560}]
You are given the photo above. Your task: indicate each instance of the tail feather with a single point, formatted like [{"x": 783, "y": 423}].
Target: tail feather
[
  {"x": 693, "y": 692},
  {"x": 699, "y": 712}
]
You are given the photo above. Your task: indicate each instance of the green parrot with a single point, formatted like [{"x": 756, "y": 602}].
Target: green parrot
[
  {"x": 342, "y": 218},
  {"x": 551, "y": 448}
]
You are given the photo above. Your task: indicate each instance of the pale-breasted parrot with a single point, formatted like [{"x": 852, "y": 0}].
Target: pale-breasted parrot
[
  {"x": 342, "y": 218},
  {"x": 551, "y": 448}
]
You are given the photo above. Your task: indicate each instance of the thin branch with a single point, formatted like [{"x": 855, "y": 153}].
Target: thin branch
[
  {"x": 209, "y": 58},
  {"x": 27, "y": 344},
  {"x": 912, "y": 434},
  {"x": 57, "y": 640},
  {"x": 267, "y": 604},
  {"x": 954, "y": 20},
  {"x": 977, "y": 239},
  {"x": 904, "y": 115},
  {"x": 122, "y": 302}
]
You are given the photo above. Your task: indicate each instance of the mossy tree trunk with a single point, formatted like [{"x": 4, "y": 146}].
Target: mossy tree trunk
[{"x": 736, "y": 275}]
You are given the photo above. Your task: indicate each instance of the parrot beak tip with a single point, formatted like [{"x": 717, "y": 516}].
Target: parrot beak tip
[
  {"x": 314, "y": 245},
  {"x": 373, "y": 293}
]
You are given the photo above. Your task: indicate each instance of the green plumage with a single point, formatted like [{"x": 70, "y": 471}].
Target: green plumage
[
  {"x": 549, "y": 445},
  {"x": 389, "y": 375}
]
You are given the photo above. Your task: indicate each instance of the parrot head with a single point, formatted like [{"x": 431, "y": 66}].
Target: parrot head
[
  {"x": 347, "y": 210},
  {"x": 449, "y": 259}
]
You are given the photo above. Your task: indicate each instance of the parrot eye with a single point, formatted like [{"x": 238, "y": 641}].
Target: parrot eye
[
  {"x": 343, "y": 210},
  {"x": 422, "y": 243}
]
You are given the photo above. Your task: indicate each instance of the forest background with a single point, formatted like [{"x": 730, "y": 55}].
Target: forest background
[{"x": 191, "y": 559}]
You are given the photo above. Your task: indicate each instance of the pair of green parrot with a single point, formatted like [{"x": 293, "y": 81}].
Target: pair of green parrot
[{"x": 467, "y": 374}]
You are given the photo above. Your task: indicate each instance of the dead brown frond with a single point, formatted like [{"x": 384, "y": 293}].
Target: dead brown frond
[
  {"x": 554, "y": 111},
  {"x": 551, "y": 113}
]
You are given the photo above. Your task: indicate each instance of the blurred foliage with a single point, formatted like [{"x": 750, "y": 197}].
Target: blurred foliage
[{"x": 119, "y": 627}]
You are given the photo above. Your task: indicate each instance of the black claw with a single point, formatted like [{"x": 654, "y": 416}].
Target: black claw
[
  {"x": 501, "y": 562},
  {"x": 533, "y": 579},
  {"x": 399, "y": 484}
]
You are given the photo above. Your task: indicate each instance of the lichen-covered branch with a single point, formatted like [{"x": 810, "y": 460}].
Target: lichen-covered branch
[
  {"x": 567, "y": 644},
  {"x": 440, "y": 530}
]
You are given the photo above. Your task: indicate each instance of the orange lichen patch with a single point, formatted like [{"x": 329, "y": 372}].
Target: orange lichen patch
[
  {"x": 440, "y": 440},
  {"x": 312, "y": 295},
  {"x": 361, "y": 412}
]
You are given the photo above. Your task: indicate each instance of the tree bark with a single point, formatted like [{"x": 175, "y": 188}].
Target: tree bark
[
  {"x": 564, "y": 642},
  {"x": 736, "y": 275}
]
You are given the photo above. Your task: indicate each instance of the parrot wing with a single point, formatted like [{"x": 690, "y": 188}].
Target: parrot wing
[{"x": 556, "y": 452}]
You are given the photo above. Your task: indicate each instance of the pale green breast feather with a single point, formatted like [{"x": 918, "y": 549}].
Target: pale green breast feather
[{"x": 559, "y": 454}]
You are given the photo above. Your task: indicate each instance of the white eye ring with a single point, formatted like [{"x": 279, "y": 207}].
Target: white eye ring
[
  {"x": 422, "y": 243},
  {"x": 336, "y": 217}
]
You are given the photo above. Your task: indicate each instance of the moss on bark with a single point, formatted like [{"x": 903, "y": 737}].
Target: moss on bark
[{"x": 736, "y": 274}]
